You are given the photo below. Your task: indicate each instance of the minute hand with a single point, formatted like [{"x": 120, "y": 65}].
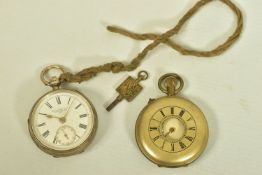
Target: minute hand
[{"x": 68, "y": 109}]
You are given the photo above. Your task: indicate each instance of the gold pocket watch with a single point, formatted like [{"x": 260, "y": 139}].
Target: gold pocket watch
[
  {"x": 62, "y": 122},
  {"x": 171, "y": 131}
]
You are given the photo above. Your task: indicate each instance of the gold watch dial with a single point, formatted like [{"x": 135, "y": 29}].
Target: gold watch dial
[{"x": 171, "y": 131}]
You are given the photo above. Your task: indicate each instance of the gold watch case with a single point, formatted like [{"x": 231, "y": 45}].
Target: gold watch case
[{"x": 171, "y": 131}]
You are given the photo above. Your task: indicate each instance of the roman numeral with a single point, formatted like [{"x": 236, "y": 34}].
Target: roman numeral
[
  {"x": 172, "y": 147},
  {"x": 163, "y": 144},
  {"x": 42, "y": 124},
  {"x": 189, "y": 138},
  {"x": 192, "y": 128},
  {"x": 69, "y": 100},
  {"x": 172, "y": 110},
  {"x": 45, "y": 134},
  {"x": 83, "y": 115},
  {"x": 162, "y": 113},
  {"x": 82, "y": 126},
  {"x": 55, "y": 141},
  {"x": 48, "y": 105},
  {"x": 182, "y": 113},
  {"x": 58, "y": 100},
  {"x": 182, "y": 145},
  {"x": 156, "y": 138},
  {"x": 78, "y": 106},
  {"x": 153, "y": 128}
]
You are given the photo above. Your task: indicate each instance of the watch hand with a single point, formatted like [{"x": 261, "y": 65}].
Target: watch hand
[
  {"x": 170, "y": 131},
  {"x": 66, "y": 135},
  {"x": 61, "y": 119},
  {"x": 52, "y": 116},
  {"x": 167, "y": 134},
  {"x": 68, "y": 109}
]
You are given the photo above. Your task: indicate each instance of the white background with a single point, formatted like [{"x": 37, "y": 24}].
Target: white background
[{"x": 36, "y": 33}]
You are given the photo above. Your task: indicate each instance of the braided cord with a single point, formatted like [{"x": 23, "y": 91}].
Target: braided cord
[{"x": 157, "y": 39}]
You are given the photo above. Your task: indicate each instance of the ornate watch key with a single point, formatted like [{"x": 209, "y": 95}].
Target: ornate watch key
[
  {"x": 62, "y": 122},
  {"x": 171, "y": 131}
]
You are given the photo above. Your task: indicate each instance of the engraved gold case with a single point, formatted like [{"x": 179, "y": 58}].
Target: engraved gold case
[{"x": 171, "y": 131}]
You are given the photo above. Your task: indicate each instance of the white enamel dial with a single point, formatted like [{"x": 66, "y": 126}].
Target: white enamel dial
[{"x": 62, "y": 120}]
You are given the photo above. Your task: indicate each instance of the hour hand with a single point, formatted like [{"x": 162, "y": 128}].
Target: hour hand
[
  {"x": 171, "y": 130},
  {"x": 52, "y": 116},
  {"x": 61, "y": 119}
]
